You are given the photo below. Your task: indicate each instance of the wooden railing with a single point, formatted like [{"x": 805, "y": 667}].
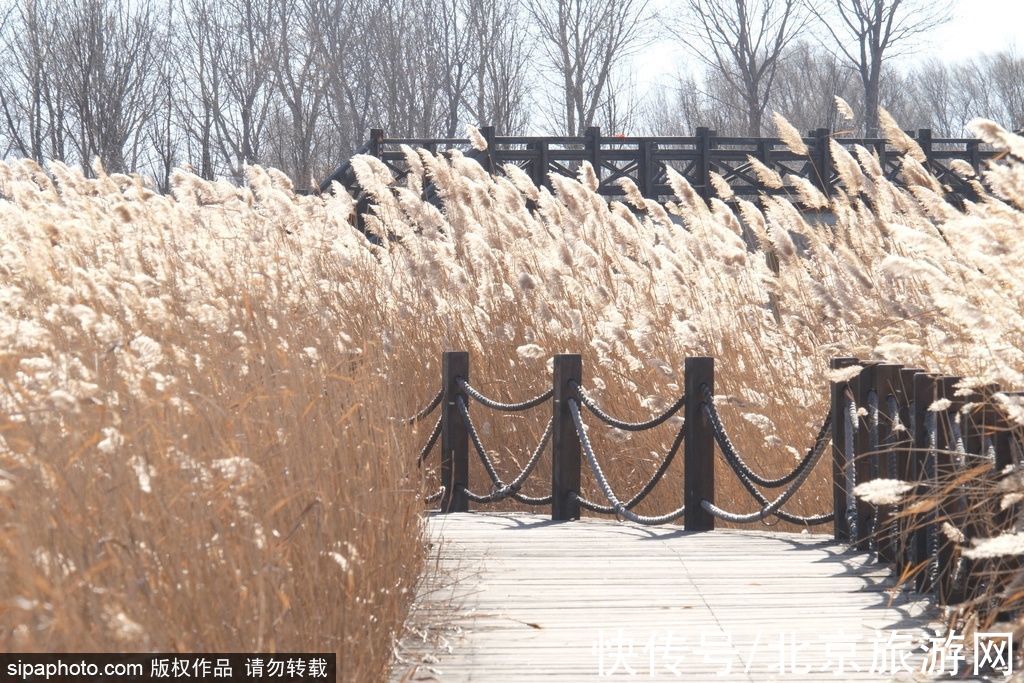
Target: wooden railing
[
  {"x": 945, "y": 452},
  {"x": 644, "y": 159}
]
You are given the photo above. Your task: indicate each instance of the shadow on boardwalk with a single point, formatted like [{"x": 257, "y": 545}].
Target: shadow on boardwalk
[{"x": 528, "y": 599}]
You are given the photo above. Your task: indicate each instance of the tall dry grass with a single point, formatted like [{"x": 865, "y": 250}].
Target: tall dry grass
[
  {"x": 194, "y": 448},
  {"x": 199, "y": 393}
]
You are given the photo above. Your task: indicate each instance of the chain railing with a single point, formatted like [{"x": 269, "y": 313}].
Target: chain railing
[{"x": 891, "y": 429}]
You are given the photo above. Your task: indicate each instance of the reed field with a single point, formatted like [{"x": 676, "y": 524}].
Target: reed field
[{"x": 202, "y": 396}]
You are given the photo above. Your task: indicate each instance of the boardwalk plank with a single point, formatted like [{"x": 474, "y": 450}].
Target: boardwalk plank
[{"x": 529, "y": 600}]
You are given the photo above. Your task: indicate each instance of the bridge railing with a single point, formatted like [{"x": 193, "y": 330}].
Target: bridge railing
[
  {"x": 644, "y": 159},
  {"x": 915, "y": 462},
  {"x": 934, "y": 458}
]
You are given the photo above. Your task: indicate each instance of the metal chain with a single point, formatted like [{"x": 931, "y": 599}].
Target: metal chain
[
  {"x": 602, "y": 481},
  {"x": 647, "y": 488},
  {"x": 932, "y": 474},
  {"x": 912, "y": 558},
  {"x": 852, "y": 419},
  {"x": 894, "y": 413},
  {"x": 893, "y": 467},
  {"x": 873, "y": 422},
  {"x": 426, "y": 450},
  {"x": 958, "y": 442},
  {"x": 505, "y": 407},
  {"x": 592, "y": 406},
  {"x": 733, "y": 457},
  {"x": 502, "y": 490},
  {"x": 960, "y": 462},
  {"x": 427, "y": 409},
  {"x": 774, "y": 505}
]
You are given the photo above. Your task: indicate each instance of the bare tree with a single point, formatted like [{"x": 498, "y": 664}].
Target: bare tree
[
  {"x": 199, "y": 62},
  {"x": 405, "y": 90},
  {"x": 242, "y": 44},
  {"x": 31, "y": 100},
  {"x": 742, "y": 41},
  {"x": 298, "y": 77},
  {"x": 869, "y": 32},
  {"x": 108, "y": 55},
  {"x": 584, "y": 42},
  {"x": 806, "y": 84},
  {"x": 498, "y": 94}
]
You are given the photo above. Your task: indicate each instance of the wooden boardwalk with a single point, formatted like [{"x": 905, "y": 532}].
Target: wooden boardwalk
[{"x": 527, "y": 599}]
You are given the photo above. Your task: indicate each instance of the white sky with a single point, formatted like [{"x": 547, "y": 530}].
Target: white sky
[{"x": 978, "y": 26}]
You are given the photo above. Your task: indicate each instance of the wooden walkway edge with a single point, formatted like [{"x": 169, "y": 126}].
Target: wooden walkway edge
[{"x": 594, "y": 600}]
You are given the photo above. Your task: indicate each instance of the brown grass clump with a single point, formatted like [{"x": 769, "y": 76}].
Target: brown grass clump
[{"x": 199, "y": 445}]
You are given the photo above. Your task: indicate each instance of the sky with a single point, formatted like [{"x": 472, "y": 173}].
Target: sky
[{"x": 977, "y": 27}]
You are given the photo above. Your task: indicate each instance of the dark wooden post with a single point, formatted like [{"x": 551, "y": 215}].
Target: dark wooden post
[
  {"x": 1002, "y": 443},
  {"x": 975, "y": 425},
  {"x": 887, "y": 380},
  {"x": 821, "y": 161},
  {"x": 698, "y": 445},
  {"x": 946, "y": 592},
  {"x": 489, "y": 160},
  {"x": 924, "y": 140},
  {"x": 924, "y": 396},
  {"x": 646, "y": 168},
  {"x": 703, "y": 165},
  {"x": 907, "y": 470},
  {"x": 374, "y": 148},
  {"x": 592, "y": 145},
  {"x": 541, "y": 163},
  {"x": 974, "y": 155},
  {"x": 861, "y": 387},
  {"x": 764, "y": 155},
  {"x": 376, "y": 142},
  {"x": 565, "y": 443},
  {"x": 840, "y": 527},
  {"x": 880, "y": 150},
  {"x": 454, "y": 437}
]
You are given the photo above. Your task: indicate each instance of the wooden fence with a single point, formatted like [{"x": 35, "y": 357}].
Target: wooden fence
[
  {"x": 886, "y": 422},
  {"x": 644, "y": 159}
]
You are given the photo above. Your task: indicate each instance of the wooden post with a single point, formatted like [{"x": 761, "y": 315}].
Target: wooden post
[
  {"x": 454, "y": 436},
  {"x": 698, "y": 445},
  {"x": 924, "y": 140},
  {"x": 764, "y": 156},
  {"x": 861, "y": 387},
  {"x": 592, "y": 145},
  {"x": 821, "y": 161},
  {"x": 565, "y": 443},
  {"x": 376, "y": 142},
  {"x": 924, "y": 396},
  {"x": 840, "y": 528},
  {"x": 974, "y": 155},
  {"x": 887, "y": 380},
  {"x": 948, "y": 510},
  {"x": 907, "y": 470},
  {"x": 646, "y": 168},
  {"x": 540, "y": 170},
  {"x": 489, "y": 155},
  {"x": 975, "y": 425},
  {"x": 880, "y": 150},
  {"x": 1002, "y": 440},
  {"x": 703, "y": 165}
]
